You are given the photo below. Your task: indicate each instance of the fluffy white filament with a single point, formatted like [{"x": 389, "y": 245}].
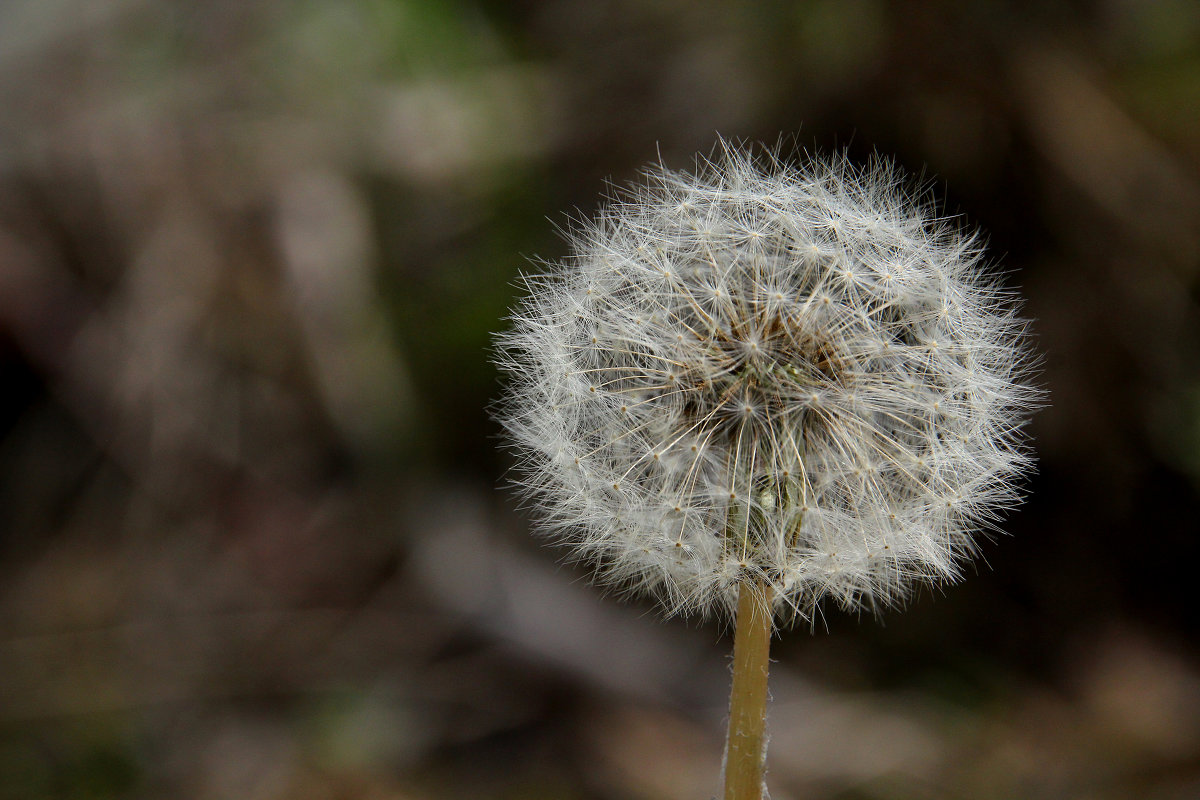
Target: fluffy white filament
[{"x": 797, "y": 373}]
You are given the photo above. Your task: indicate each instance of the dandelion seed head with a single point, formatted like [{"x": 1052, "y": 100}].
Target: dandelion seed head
[{"x": 798, "y": 373}]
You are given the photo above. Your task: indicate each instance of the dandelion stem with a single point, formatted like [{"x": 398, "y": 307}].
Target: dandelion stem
[{"x": 746, "y": 747}]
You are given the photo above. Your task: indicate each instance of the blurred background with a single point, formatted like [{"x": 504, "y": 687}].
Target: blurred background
[{"x": 254, "y": 540}]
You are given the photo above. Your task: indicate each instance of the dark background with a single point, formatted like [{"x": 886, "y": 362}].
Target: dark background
[{"x": 254, "y": 541}]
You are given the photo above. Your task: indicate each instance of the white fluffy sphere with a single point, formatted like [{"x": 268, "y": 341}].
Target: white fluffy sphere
[{"x": 793, "y": 373}]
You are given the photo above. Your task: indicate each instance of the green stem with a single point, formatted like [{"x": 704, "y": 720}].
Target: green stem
[{"x": 746, "y": 747}]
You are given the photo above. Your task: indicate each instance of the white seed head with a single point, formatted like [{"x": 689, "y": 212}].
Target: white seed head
[{"x": 794, "y": 373}]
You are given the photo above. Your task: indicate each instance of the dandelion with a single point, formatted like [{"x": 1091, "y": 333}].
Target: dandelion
[{"x": 761, "y": 386}]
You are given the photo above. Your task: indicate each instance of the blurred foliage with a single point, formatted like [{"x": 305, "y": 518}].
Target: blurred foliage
[{"x": 251, "y": 538}]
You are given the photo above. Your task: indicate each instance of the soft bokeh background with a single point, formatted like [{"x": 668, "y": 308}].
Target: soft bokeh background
[{"x": 253, "y": 540}]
